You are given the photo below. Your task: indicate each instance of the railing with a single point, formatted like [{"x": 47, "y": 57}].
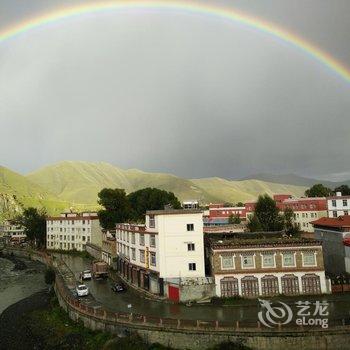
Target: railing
[{"x": 139, "y": 320}]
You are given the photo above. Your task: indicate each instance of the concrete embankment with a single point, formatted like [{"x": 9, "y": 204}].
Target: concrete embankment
[{"x": 177, "y": 334}]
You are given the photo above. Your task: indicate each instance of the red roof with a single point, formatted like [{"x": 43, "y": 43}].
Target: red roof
[{"x": 341, "y": 221}]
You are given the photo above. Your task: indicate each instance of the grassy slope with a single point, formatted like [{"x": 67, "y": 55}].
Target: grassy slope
[
  {"x": 27, "y": 193},
  {"x": 80, "y": 182}
]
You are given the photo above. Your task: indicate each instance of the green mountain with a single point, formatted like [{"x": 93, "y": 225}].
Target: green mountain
[
  {"x": 79, "y": 182},
  {"x": 17, "y": 191}
]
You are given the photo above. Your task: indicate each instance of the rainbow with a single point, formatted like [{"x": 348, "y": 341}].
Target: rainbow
[{"x": 190, "y": 7}]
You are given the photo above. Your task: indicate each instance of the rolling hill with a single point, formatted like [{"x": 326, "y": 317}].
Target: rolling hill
[{"x": 79, "y": 182}]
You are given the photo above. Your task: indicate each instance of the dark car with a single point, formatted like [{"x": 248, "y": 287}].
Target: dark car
[{"x": 118, "y": 287}]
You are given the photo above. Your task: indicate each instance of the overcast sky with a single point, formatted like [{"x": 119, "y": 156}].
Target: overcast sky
[{"x": 164, "y": 91}]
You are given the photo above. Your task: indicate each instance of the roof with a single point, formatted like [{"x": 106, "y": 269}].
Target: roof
[
  {"x": 174, "y": 211},
  {"x": 338, "y": 197},
  {"x": 340, "y": 222}
]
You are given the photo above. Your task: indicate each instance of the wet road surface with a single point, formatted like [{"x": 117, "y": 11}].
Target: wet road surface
[{"x": 131, "y": 301}]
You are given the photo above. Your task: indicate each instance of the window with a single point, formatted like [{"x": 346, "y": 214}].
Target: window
[
  {"x": 269, "y": 285},
  {"x": 346, "y": 212},
  {"x": 268, "y": 260},
  {"x": 142, "y": 239},
  {"x": 250, "y": 286},
  {"x": 152, "y": 222},
  {"x": 190, "y": 227},
  {"x": 335, "y": 214},
  {"x": 190, "y": 247},
  {"x": 83, "y": 237},
  {"x": 311, "y": 284},
  {"x": 133, "y": 253},
  {"x": 152, "y": 240},
  {"x": 345, "y": 203},
  {"x": 153, "y": 258},
  {"x": 290, "y": 284},
  {"x": 288, "y": 259},
  {"x": 192, "y": 266},
  {"x": 334, "y": 203},
  {"x": 229, "y": 287},
  {"x": 133, "y": 238},
  {"x": 309, "y": 259},
  {"x": 247, "y": 261},
  {"x": 142, "y": 256},
  {"x": 227, "y": 262}
]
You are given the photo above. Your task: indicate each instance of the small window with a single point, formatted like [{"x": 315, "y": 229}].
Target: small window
[
  {"x": 247, "y": 261},
  {"x": 192, "y": 266},
  {"x": 133, "y": 253},
  {"x": 153, "y": 258},
  {"x": 142, "y": 239},
  {"x": 227, "y": 262},
  {"x": 288, "y": 259},
  {"x": 309, "y": 259},
  {"x": 345, "y": 203},
  {"x": 152, "y": 240},
  {"x": 268, "y": 260},
  {"x": 190, "y": 227},
  {"x": 335, "y": 214},
  {"x": 152, "y": 222},
  {"x": 142, "y": 256},
  {"x": 334, "y": 203},
  {"x": 133, "y": 238},
  {"x": 190, "y": 247}
]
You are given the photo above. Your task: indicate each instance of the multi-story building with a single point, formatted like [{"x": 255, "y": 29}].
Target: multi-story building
[
  {"x": 253, "y": 265},
  {"x": 167, "y": 249},
  {"x": 190, "y": 204},
  {"x": 109, "y": 248},
  {"x": 338, "y": 205},
  {"x": 305, "y": 209},
  {"x": 13, "y": 232},
  {"x": 334, "y": 234},
  {"x": 219, "y": 215},
  {"x": 72, "y": 231}
]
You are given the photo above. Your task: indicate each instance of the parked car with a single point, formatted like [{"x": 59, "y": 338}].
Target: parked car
[
  {"x": 86, "y": 275},
  {"x": 118, "y": 287},
  {"x": 82, "y": 290}
]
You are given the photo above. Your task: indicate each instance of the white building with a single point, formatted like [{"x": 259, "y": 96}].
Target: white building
[
  {"x": 13, "y": 232},
  {"x": 338, "y": 205},
  {"x": 71, "y": 231},
  {"x": 167, "y": 249}
]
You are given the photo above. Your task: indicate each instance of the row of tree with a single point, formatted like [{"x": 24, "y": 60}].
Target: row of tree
[
  {"x": 120, "y": 207},
  {"x": 320, "y": 190},
  {"x": 267, "y": 217}
]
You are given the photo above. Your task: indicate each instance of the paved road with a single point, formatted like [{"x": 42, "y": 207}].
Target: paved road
[{"x": 339, "y": 305}]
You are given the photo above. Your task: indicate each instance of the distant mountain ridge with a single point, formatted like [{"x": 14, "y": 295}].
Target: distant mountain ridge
[
  {"x": 295, "y": 180},
  {"x": 66, "y": 184}
]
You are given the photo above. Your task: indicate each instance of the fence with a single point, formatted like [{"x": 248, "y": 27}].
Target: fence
[{"x": 147, "y": 321}]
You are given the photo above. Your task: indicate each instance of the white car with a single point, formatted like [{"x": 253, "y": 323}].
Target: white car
[
  {"x": 82, "y": 290},
  {"x": 86, "y": 275}
]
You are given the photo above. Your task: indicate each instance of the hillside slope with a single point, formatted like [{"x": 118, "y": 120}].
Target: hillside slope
[{"x": 78, "y": 181}]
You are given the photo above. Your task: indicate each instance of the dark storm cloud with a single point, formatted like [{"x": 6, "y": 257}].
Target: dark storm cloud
[{"x": 172, "y": 92}]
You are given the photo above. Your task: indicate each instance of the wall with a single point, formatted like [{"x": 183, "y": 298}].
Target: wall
[{"x": 94, "y": 251}]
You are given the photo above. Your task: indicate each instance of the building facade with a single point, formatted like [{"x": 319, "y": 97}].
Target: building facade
[
  {"x": 167, "y": 249},
  {"x": 219, "y": 215},
  {"x": 338, "y": 205},
  {"x": 72, "y": 231},
  {"x": 13, "y": 232},
  {"x": 334, "y": 233},
  {"x": 109, "y": 248},
  {"x": 252, "y": 267}
]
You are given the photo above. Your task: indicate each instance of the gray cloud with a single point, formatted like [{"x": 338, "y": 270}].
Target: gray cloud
[{"x": 173, "y": 92}]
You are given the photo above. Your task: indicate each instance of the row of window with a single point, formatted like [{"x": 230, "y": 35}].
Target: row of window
[
  {"x": 334, "y": 203},
  {"x": 310, "y": 284},
  {"x": 69, "y": 222},
  {"x": 130, "y": 237},
  {"x": 335, "y": 213},
  {"x": 65, "y": 245},
  {"x": 268, "y": 260},
  {"x": 63, "y": 229},
  {"x": 69, "y": 238},
  {"x": 305, "y": 215}
]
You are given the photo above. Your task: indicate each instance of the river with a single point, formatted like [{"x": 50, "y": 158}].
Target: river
[{"x": 16, "y": 285}]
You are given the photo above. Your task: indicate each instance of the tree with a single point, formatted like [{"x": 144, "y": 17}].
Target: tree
[
  {"x": 318, "y": 190},
  {"x": 267, "y": 213},
  {"x": 150, "y": 199},
  {"x": 234, "y": 219},
  {"x": 254, "y": 224},
  {"x": 116, "y": 207},
  {"x": 344, "y": 189},
  {"x": 34, "y": 224},
  {"x": 240, "y": 204},
  {"x": 290, "y": 226}
]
